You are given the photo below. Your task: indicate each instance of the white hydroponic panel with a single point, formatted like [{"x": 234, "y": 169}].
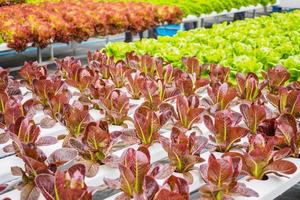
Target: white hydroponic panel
[{"x": 290, "y": 3}]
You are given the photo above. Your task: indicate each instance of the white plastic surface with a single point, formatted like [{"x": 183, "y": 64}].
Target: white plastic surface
[{"x": 290, "y": 3}]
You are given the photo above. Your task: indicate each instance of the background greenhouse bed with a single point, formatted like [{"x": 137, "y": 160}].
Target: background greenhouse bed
[
  {"x": 14, "y": 60},
  {"x": 51, "y": 56}
]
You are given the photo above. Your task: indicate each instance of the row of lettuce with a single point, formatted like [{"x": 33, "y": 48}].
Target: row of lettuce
[
  {"x": 198, "y": 7},
  {"x": 193, "y": 7},
  {"x": 171, "y": 99},
  {"x": 249, "y": 45},
  {"x": 65, "y": 21}
]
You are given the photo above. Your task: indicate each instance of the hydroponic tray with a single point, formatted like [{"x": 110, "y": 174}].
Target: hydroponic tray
[
  {"x": 209, "y": 96},
  {"x": 199, "y": 19},
  {"x": 290, "y": 3},
  {"x": 268, "y": 189}
]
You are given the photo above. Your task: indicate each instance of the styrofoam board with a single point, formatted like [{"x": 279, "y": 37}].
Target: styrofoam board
[
  {"x": 3, "y": 47},
  {"x": 193, "y": 18},
  {"x": 290, "y": 3}
]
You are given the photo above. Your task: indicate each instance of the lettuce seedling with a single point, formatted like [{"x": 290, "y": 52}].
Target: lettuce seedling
[
  {"x": 100, "y": 63},
  {"x": 187, "y": 84},
  {"x": 166, "y": 73},
  {"x": 287, "y": 101},
  {"x": 173, "y": 188},
  {"x": 118, "y": 73},
  {"x": 183, "y": 151},
  {"x": 253, "y": 115},
  {"x": 67, "y": 67},
  {"x": 188, "y": 111},
  {"x": 261, "y": 160},
  {"x": 225, "y": 129},
  {"x": 156, "y": 92},
  {"x": 36, "y": 162},
  {"x": 286, "y": 134},
  {"x": 220, "y": 96},
  {"x": 57, "y": 103},
  {"x": 147, "y": 125},
  {"x": 68, "y": 184},
  {"x": 14, "y": 109},
  {"x": 45, "y": 88},
  {"x": 76, "y": 117},
  {"x": 276, "y": 77},
  {"x": 248, "y": 87},
  {"x": 31, "y": 71},
  {"x": 137, "y": 178},
  {"x": 134, "y": 166},
  {"x": 218, "y": 74},
  {"x": 4, "y": 79},
  {"x": 193, "y": 66},
  {"x": 116, "y": 106},
  {"x": 220, "y": 177},
  {"x": 95, "y": 146},
  {"x": 133, "y": 82}
]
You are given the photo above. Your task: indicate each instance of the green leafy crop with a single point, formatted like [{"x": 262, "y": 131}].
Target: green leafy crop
[{"x": 249, "y": 45}]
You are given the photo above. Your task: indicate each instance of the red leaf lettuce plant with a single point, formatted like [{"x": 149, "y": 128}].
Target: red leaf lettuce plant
[
  {"x": 66, "y": 67},
  {"x": 220, "y": 96},
  {"x": 27, "y": 132},
  {"x": 183, "y": 151},
  {"x": 188, "y": 111},
  {"x": 100, "y": 63},
  {"x": 173, "y": 188},
  {"x": 286, "y": 134},
  {"x": 225, "y": 129},
  {"x": 14, "y": 109},
  {"x": 253, "y": 115},
  {"x": 194, "y": 68},
  {"x": 283, "y": 130},
  {"x": 166, "y": 73},
  {"x": 132, "y": 85},
  {"x": 76, "y": 117},
  {"x": 261, "y": 160},
  {"x": 4, "y": 79},
  {"x": 57, "y": 103},
  {"x": 220, "y": 177},
  {"x": 287, "y": 101},
  {"x": 116, "y": 107},
  {"x": 218, "y": 74},
  {"x": 145, "y": 63},
  {"x": 36, "y": 162},
  {"x": 156, "y": 92},
  {"x": 45, "y": 88},
  {"x": 95, "y": 146},
  {"x": 147, "y": 125},
  {"x": 68, "y": 184},
  {"x": 248, "y": 87},
  {"x": 31, "y": 71},
  {"x": 276, "y": 77},
  {"x": 99, "y": 90},
  {"x": 118, "y": 73},
  {"x": 187, "y": 84},
  {"x": 137, "y": 179}
]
